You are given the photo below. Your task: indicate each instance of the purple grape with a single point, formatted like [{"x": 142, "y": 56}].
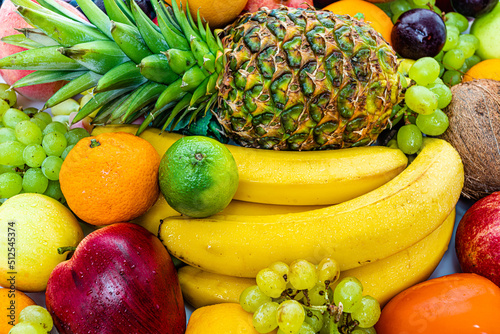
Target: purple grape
[
  {"x": 473, "y": 8},
  {"x": 418, "y": 33}
]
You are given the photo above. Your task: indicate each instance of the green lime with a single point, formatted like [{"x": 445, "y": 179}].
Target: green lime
[{"x": 198, "y": 176}]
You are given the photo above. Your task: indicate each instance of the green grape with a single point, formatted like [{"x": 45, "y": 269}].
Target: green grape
[
  {"x": 4, "y": 106},
  {"x": 291, "y": 291},
  {"x": 7, "y": 134},
  {"x": 54, "y": 143},
  {"x": 304, "y": 329},
  {"x": 281, "y": 268},
  {"x": 34, "y": 155},
  {"x": 329, "y": 326},
  {"x": 328, "y": 271},
  {"x": 466, "y": 46},
  {"x": 409, "y": 139},
  {"x": 434, "y": 124},
  {"x": 54, "y": 191},
  {"x": 74, "y": 135},
  {"x": 315, "y": 319},
  {"x": 421, "y": 100},
  {"x": 453, "y": 59},
  {"x": 472, "y": 60},
  {"x": 26, "y": 327},
  {"x": 7, "y": 94},
  {"x": 37, "y": 314},
  {"x": 55, "y": 126},
  {"x": 65, "y": 108},
  {"x": 5, "y": 169},
  {"x": 264, "y": 319},
  {"x": 28, "y": 133},
  {"x": 290, "y": 316},
  {"x": 348, "y": 292},
  {"x": 451, "y": 40},
  {"x": 424, "y": 71},
  {"x": 13, "y": 116},
  {"x": 66, "y": 151},
  {"x": 302, "y": 275},
  {"x": 471, "y": 39},
  {"x": 252, "y": 297},
  {"x": 51, "y": 167},
  {"x": 41, "y": 124},
  {"x": 439, "y": 56},
  {"x": 31, "y": 111},
  {"x": 452, "y": 77},
  {"x": 457, "y": 20},
  {"x": 270, "y": 282},
  {"x": 452, "y": 29},
  {"x": 393, "y": 143},
  {"x": 421, "y": 3},
  {"x": 443, "y": 94},
  {"x": 398, "y": 7},
  {"x": 34, "y": 181},
  {"x": 368, "y": 313},
  {"x": 441, "y": 69},
  {"x": 43, "y": 116},
  {"x": 317, "y": 295},
  {"x": 10, "y": 184},
  {"x": 405, "y": 66},
  {"x": 359, "y": 330},
  {"x": 11, "y": 153}
]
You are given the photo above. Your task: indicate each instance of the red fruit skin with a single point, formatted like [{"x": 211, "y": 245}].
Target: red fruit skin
[
  {"x": 477, "y": 241},
  {"x": 120, "y": 279},
  {"x": 10, "y": 19},
  {"x": 255, "y": 5}
]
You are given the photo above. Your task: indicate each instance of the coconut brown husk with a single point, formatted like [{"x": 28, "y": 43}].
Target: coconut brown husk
[{"x": 474, "y": 131}]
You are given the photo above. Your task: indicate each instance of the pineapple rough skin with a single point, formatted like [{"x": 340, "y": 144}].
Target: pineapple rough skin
[{"x": 299, "y": 79}]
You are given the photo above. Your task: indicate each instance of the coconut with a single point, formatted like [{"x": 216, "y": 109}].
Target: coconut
[{"x": 474, "y": 131}]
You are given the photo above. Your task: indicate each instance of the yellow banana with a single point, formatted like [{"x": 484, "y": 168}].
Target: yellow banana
[
  {"x": 161, "y": 210},
  {"x": 298, "y": 178},
  {"x": 382, "y": 279},
  {"x": 365, "y": 229},
  {"x": 201, "y": 288}
]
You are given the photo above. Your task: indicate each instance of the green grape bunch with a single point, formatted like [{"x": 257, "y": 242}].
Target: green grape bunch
[
  {"x": 33, "y": 145},
  {"x": 33, "y": 319},
  {"x": 303, "y": 298}
]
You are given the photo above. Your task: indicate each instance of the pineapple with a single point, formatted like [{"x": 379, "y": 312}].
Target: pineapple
[{"x": 283, "y": 79}]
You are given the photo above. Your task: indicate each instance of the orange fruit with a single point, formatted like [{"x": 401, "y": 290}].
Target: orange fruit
[
  {"x": 11, "y": 304},
  {"x": 373, "y": 15},
  {"x": 110, "y": 178},
  {"x": 486, "y": 69},
  {"x": 225, "y": 318},
  {"x": 218, "y": 13}
]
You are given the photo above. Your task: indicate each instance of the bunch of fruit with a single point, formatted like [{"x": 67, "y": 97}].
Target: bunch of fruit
[
  {"x": 33, "y": 319},
  {"x": 300, "y": 298},
  {"x": 33, "y": 146}
]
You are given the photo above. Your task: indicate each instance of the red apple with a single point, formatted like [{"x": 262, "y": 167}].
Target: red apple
[
  {"x": 10, "y": 19},
  {"x": 255, "y": 5},
  {"x": 477, "y": 241},
  {"x": 120, "y": 279}
]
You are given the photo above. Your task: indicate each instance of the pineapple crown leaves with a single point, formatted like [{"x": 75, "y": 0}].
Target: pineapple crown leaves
[{"x": 166, "y": 73}]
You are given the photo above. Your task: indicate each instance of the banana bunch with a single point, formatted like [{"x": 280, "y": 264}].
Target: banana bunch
[
  {"x": 365, "y": 229},
  {"x": 382, "y": 279}
]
